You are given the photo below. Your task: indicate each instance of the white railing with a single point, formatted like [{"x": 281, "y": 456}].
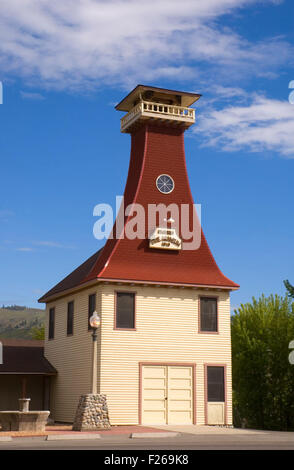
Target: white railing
[
  {"x": 131, "y": 114},
  {"x": 146, "y": 108}
]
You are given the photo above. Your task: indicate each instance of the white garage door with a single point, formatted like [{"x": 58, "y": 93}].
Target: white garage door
[{"x": 167, "y": 395}]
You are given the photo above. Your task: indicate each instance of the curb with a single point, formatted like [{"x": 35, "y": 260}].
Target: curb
[
  {"x": 66, "y": 437},
  {"x": 142, "y": 435},
  {"x": 91, "y": 436}
]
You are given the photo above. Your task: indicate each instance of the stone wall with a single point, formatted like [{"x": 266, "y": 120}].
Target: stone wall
[{"x": 92, "y": 413}]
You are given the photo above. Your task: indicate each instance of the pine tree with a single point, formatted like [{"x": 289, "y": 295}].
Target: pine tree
[{"x": 290, "y": 289}]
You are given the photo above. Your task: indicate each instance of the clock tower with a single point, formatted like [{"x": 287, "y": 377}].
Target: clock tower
[{"x": 173, "y": 249}]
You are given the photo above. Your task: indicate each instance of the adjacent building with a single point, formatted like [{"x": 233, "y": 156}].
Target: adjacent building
[{"x": 24, "y": 372}]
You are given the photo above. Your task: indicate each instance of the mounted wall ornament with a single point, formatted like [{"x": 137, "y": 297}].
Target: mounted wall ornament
[{"x": 165, "y": 239}]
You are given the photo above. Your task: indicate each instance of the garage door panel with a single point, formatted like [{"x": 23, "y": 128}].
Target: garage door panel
[
  {"x": 167, "y": 395},
  {"x": 174, "y": 405},
  {"x": 180, "y": 383},
  {"x": 154, "y": 405},
  {"x": 154, "y": 417},
  {"x": 180, "y": 372},
  {"x": 155, "y": 394},
  {"x": 180, "y": 417},
  {"x": 180, "y": 393},
  {"x": 154, "y": 383},
  {"x": 154, "y": 371}
]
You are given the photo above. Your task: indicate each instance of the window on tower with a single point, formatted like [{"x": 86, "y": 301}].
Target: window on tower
[
  {"x": 125, "y": 310},
  {"x": 51, "y": 323},
  {"x": 70, "y": 317},
  {"x": 208, "y": 314}
]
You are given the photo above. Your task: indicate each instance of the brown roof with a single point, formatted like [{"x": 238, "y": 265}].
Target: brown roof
[
  {"x": 24, "y": 357},
  {"x": 75, "y": 278},
  {"x": 128, "y": 101}
]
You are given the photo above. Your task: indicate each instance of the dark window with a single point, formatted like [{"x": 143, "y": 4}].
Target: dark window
[
  {"x": 92, "y": 307},
  {"x": 51, "y": 323},
  {"x": 215, "y": 383},
  {"x": 125, "y": 310},
  {"x": 70, "y": 317},
  {"x": 208, "y": 314}
]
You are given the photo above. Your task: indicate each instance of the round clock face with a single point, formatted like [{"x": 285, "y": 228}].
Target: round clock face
[{"x": 165, "y": 184}]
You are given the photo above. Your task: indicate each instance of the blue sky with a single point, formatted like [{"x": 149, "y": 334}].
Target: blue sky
[{"x": 64, "y": 66}]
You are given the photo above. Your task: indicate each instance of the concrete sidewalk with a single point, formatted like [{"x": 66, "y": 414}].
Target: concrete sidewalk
[{"x": 210, "y": 430}]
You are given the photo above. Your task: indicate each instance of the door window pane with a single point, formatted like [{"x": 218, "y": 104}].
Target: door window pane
[{"x": 215, "y": 383}]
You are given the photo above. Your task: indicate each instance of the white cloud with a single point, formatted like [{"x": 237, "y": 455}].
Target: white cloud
[
  {"x": 36, "y": 244},
  {"x": 221, "y": 91},
  {"x": 31, "y": 96},
  {"x": 264, "y": 124},
  {"x": 82, "y": 43},
  {"x": 52, "y": 244}
]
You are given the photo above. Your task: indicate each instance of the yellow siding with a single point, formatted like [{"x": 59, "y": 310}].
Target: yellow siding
[
  {"x": 166, "y": 332},
  {"x": 70, "y": 355}
]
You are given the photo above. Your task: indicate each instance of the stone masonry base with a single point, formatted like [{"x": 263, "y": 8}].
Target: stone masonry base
[{"x": 92, "y": 413}]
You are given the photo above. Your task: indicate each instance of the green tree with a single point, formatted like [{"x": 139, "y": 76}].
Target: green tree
[
  {"x": 38, "y": 332},
  {"x": 290, "y": 289},
  {"x": 263, "y": 378}
]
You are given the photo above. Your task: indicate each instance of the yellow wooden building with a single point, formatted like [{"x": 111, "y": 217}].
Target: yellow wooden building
[{"x": 164, "y": 346}]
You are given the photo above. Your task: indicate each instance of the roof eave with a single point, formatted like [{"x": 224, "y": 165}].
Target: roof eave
[
  {"x": 48, "y": 298},
  {"x": 28, "y": 373},
  {"x": 172, "y": 284},
  {"x": 57, "y": 295},
  {"x": 123, "y": 104}
]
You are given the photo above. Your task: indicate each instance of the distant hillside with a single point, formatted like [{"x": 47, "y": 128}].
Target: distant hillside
[{"x": 17, "y": 321}]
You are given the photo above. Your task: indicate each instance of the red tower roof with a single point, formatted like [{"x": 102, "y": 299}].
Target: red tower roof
[{"x": 157, "y": 148}]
